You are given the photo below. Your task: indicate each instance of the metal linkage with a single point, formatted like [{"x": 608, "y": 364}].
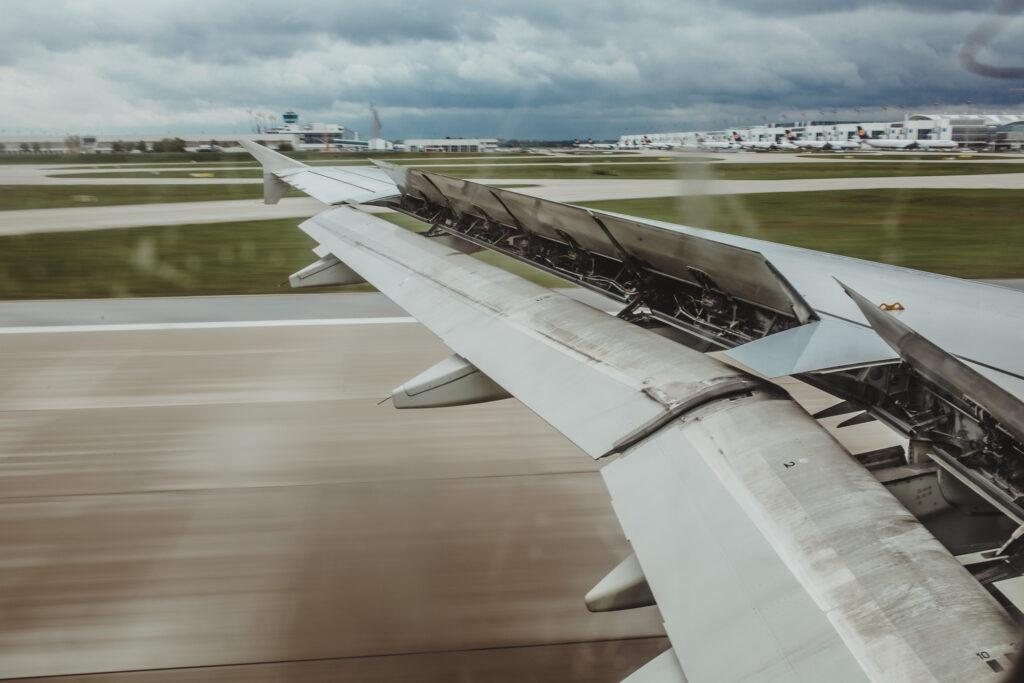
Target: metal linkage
[
  {"x": 963, "y": 436},
  {"x": 704, "y": 310}
]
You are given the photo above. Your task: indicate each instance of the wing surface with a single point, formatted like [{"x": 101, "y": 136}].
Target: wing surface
[
  {"x": 772, "y": 554},
  {"x": 331, "y": 185},
  {"x": 758, "y": 567}
]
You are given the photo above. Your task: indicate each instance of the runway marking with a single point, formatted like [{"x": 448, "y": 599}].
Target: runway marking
[
  {"x": 367, "y": 656},
  {"x": 132, "y": 327},
  {"x": 243, "y": 487}
]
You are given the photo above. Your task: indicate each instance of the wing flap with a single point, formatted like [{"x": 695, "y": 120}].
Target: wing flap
[
  {"x": 774, "y": 556},
  {"x": 739, "y": 272},
  {"x": 820, "y": 346}
]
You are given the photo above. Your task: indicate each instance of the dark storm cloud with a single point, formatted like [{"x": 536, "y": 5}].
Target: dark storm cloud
[
  {"x": 519, "y": 69},
  {"x": 791, "y": 8}
]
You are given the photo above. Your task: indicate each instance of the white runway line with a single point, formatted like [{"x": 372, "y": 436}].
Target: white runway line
[{"x": 132, "y": 327}]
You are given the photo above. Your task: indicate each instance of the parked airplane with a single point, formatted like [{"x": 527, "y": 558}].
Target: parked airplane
[
  {"x": 821, "y": 144},
  {"x": 762, "y": 145},
  {"x": 936, "y": 144},
  {"x": 772, "y": 553},
  {"x": 883, "y": 143},
  {"x": 891, "y": 143},
  {"x": 661, "y": 144},
  {"x": 759, "y": 145},
  {"x": 590, "y": 144},
  {"x": 715, "y": 145}
]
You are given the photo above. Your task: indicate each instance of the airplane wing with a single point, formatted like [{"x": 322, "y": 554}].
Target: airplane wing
[
  {"x": 771, "y": 552},
  {"x": 332, "y": 185}
]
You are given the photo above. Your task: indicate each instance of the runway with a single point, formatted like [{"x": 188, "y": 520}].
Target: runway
[
  {"x": 562, "y": 190},
  {"x": 212, "y": 498},
  {"x": 27, "y": 221},
  {"x": 232, "y": 504}
]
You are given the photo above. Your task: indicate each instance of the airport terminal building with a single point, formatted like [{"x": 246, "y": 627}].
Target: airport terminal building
[
  {"x": 328, "y": 137},
  {"x": 990, "y": 132},
  {"x": 449, "y": 145},
  {"x": 302, "y": 137}
]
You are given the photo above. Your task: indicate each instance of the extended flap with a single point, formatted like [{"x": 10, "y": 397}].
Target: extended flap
[{"x": 820, "y": 346}]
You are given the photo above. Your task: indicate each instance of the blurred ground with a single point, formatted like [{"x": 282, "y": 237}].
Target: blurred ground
[
  {"x": 212, "y": 502},
  {"x": 212, "y": 497}
]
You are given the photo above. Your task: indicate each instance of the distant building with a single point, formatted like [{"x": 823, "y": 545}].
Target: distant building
[
  {"x": 974, "y": 131},
  {"x": 311, "y": 136},
  {"x": 1010, "y": 137},
  {"x": 449, "y": 145}
]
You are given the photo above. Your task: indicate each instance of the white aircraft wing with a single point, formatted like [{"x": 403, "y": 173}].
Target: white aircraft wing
[
  {"x": 772, "y": 554},
  {"x": 331, "y": 185}
]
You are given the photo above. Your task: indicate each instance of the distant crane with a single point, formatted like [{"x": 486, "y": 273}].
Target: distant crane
[{"x": 376, "y": 121}]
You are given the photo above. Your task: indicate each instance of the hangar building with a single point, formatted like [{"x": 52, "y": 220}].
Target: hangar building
[{"x": 994, "y": 132}]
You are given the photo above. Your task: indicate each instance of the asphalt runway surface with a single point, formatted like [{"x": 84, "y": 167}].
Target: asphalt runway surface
[
  {"x": 200, "y": 499},
  {"x": 230, "y": 503}
]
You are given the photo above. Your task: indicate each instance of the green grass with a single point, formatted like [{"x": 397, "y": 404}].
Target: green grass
[
  {"x": 847, "y": 169},
  {"x": 966, "y": 233},
  {"x": 662, "y": 171},
  {"x": 188, "y": 171},
  {"x": 61, "y": 196},
  {"x": 211, "y": 157},
  {"x": 564, "y": 160},
  {"x": 737, "y": 171},
  {"x": 948, "y": 155},
  {"x": 598, "y": 170},
  {"x": 495, "y": 259},
  {"x": 14, "y": 197},
  {"x": 248, "y": 257},
  {"x": 224, "y": 258},
  {"x": 172, "y": 173}
]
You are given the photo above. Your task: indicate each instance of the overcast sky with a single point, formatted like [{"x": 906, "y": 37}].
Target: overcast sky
[{"x": 518, "y": 69}]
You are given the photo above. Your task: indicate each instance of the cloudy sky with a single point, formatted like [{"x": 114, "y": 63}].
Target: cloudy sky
[{"x": 517, "y": 69}]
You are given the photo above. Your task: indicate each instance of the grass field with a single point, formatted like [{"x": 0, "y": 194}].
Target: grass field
[
  {"x": 908, "y": 156},
  {"x": 966, "y": 233},
  {"x": 14, "y": 197},
  {"x": 736, "y": 171},
  {"x": 509, "y": 165},
  {"x": 175, "y": 260},
  {"x": 169, "y": 173},
  {"x": 62, "y": 196},
  {"x": 209, "y": 157}
]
